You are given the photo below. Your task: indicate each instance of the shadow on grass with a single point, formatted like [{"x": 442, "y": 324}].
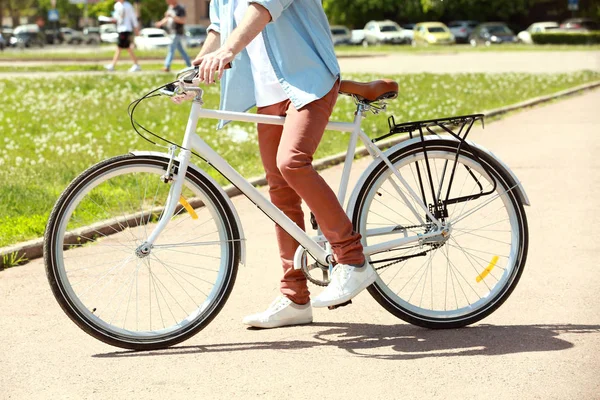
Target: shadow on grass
[{"x": 403, "y": 342}]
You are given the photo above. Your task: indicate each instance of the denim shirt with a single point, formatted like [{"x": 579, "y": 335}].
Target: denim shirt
[{"x": 298, "y": 43}]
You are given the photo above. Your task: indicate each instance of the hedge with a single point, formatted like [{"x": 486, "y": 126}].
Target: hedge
[{"x": 566, "y": 38}]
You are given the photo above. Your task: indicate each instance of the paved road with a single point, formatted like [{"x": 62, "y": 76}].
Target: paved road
[
  {"x": 543, "y": 343},
  {"x": 526, "y": 61}
]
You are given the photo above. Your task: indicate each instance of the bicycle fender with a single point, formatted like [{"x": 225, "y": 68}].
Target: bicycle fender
[
  {"x": 353, "y": 197},
  {"x": 217, "y": 187}
]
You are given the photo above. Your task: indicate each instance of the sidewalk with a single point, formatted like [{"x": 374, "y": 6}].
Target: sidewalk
[{"x": 543, "y": 343}]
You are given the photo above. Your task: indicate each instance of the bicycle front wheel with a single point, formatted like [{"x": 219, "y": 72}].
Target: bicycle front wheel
[
  {"x": 121, "y": 296},
  {"x": 456, "y": 280}
]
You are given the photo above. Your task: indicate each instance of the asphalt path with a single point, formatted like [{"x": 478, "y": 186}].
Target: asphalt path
[
  {"x": 493, "y": 62},
  {"x": 543, "y": 343}
]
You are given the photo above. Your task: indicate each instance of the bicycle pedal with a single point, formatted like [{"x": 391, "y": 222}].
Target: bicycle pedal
[{"x": 347, "y": 303}]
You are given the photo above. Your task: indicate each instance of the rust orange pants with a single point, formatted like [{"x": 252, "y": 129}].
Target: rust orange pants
[{"x": 287, "y": 153}]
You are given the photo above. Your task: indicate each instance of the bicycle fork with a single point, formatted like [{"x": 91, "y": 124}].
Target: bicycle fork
[{"x": 176, "y": 181}]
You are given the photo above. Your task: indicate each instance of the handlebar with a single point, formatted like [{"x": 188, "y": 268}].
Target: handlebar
[{"x": 185, "y": 77}]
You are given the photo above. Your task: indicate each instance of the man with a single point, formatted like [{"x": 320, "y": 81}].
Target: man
[
  {"x": 174, "y": 20},
  {"x": 282, "y": 60},
  {"x": 127, "y": 23}
]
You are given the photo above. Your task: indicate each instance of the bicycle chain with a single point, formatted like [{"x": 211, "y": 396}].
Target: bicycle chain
[
  {"x": 402, "y": 259},
  {"x": 323, "y": 284}
]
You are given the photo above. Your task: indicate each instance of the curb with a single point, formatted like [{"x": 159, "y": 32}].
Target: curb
[{"x": 33, "y": 249}]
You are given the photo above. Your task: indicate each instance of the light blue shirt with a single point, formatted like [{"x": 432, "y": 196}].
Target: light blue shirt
[{"x": 299, "y": 46}]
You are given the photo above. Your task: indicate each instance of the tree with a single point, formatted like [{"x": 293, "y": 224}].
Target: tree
[
  {"x": 70, "y": 14},
  {"x": 18, "y": 8}
]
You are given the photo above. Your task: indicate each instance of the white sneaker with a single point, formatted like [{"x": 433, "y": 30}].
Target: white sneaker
[
  {"x": 282, "y": 312},
  {"x": 346, "y": 282},
  {"x": 135, "y": 68},
  {"x": 109, "y": 67}
]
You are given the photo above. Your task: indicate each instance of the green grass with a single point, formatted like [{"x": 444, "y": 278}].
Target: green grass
[
  {"x": 53, "y": 129},
  {"x": 122, "y": 66},
  {"x": 90, "y": 53},
  {"x": 104, "y": 53}
]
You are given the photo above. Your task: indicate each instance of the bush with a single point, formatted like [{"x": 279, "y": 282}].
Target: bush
[{"x": 566, "y": 38}]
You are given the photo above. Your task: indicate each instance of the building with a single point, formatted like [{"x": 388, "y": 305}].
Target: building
[{"x": 197, "y": 11}]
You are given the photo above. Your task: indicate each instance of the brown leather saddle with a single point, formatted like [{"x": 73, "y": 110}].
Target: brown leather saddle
[{"x": 382, "y": 89}]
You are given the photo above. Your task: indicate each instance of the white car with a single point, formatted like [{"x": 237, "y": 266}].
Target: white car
[
  {"x": 152, "y": 38},
  {"x": 538, "y": 27},
  {"x": 384, "y": 32},
  {"x": 358, "y": 35},
  {"x": 108, "y": 33}
]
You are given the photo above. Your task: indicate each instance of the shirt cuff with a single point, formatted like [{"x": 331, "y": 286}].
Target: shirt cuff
[
  {"x": 213, "y": 27},
  {"x": 274, "y": 7}
]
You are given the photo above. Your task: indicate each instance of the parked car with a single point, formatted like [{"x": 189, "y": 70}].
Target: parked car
[
  {"x": 340, "y": 35},
  {"x": 492, "y": 33},
  {"x": 152, "y": 38},
  {"x": 195, "y": 35},
  {"x": 54, "y": 36},
  {"x": 108, "y": 33},
  {"x": 462, "y": 30},
  {"x": 538, "y": 27},
  {"x": 91, "y": 35},
  {"x": 581, "y": 24},
  {"x": 427, "y": 33},
  {"x": 72, "y": 36},
  {"x": 358, "y": 35},
  {"x": 27, "y": 36},
  {"x": 383, "y": 32},
  {"x": 2, "y": 42},
  {"x": 7, "y": 33},
  {"x": 408, "y": 30}
]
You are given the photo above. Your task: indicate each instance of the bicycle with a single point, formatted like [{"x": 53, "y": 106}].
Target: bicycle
[{"x": 142, "y": 250}]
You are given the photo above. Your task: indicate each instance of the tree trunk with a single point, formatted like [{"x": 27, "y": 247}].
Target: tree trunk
[{"x": 1, "y": 13}]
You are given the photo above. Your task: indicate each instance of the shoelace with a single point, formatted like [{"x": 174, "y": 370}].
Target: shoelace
[
  {"x": 279, "y": 303},
  {"x": 342, "y": 276}
]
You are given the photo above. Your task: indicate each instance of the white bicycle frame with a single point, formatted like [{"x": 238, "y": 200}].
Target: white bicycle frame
[{"x": 192, "y": 141}]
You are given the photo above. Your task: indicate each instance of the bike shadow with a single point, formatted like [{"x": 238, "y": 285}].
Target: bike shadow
[{"x": 402, "y": 342}]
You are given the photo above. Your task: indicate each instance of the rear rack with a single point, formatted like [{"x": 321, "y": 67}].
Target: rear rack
[
  {"x": 458, "y": 127},
  {"x": 463, "y": 121}
]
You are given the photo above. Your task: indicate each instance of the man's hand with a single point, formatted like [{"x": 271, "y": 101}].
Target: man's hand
[{"x": 211, "y": 63}]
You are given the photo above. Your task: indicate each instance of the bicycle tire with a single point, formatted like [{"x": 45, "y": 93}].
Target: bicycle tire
[
  {"x": 395, "y": 300},
  {"x": 68, "y": 260}
]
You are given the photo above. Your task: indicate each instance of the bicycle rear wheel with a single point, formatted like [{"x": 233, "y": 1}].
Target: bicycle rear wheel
[
  {"x": 460, "y": 280},
  {"x": 128, "y": 299}
]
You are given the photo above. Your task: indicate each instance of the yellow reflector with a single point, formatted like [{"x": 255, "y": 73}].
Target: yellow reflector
[
  {"x": 188, "y": 208},
  {"x": 488, "y": 269}
]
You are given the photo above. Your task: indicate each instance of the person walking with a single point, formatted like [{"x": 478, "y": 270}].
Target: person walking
[
  {"x": 282, "y": 60},
  {"x": 174, "y": 20},
  {"x": 127, "y": 24}
]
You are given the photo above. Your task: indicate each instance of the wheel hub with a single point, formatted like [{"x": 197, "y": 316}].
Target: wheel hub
[{"x": 143, "y": 250}]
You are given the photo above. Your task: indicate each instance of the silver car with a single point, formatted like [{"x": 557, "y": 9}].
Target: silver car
[
  {"x": 195, "y": 35},
  {"x": 340, "y": 35},
  {"x": 384, "y": 32},
  {"x": 462, "y": 30}
]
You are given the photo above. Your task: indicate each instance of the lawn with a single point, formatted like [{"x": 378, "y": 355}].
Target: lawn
[
  {"x": 105, "y": 53},
  {"x": 52, "y": 129},
  {"x": 124, "y": 65}
]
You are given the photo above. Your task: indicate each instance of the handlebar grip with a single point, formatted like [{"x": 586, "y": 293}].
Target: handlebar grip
[{"x": 190, "y": 80}]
